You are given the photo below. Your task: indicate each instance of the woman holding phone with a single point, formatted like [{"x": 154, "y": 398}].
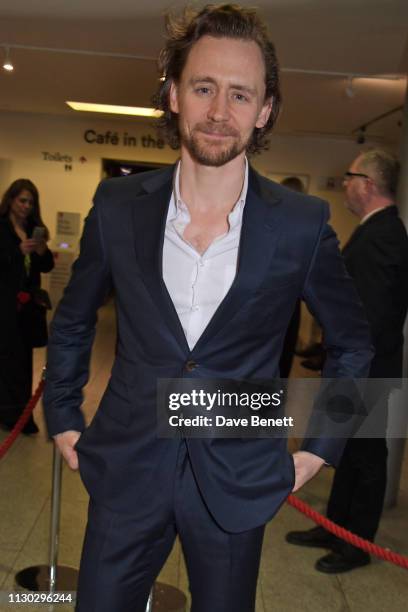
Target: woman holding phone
[{"x": 24, "y": 255}]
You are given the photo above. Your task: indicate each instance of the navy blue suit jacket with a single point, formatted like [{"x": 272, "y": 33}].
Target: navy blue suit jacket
[{"x": 287, "y": 250}]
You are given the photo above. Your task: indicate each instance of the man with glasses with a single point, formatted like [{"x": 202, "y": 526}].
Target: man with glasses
[{"x": 376, "y": 257}]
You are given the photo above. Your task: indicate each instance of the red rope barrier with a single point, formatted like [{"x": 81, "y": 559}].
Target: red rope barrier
[
  {"x": 25, "y": 415},
  {"x": 348, "y": 536}
]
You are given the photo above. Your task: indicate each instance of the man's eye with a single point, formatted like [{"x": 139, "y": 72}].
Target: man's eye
[
  {"x": 239, "y": 97},
  {"x": 203, "y": 90}
]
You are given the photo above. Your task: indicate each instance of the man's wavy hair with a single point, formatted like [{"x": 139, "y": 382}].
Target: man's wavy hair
[{"x": 219, "y": 21}]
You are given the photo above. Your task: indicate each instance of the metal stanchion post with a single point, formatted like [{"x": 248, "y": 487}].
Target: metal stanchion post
[
  {"x": 55, "y": 516},
  {"x": 166, "y": 598},
  {"x": 149, "y": 606},
  {"x": 51, "y": 577}
]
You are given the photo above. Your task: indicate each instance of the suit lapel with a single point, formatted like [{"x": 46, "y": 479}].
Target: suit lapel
[
  {"x": 259, "y": 236},
  {"x": 149, "y": 221}
]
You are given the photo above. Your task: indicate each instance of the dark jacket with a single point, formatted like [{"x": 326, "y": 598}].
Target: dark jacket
[
  {"x": 376, "y": 256},
  {"x": 14, "y": 278}
]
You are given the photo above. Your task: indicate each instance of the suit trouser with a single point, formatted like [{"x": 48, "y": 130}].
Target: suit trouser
[
  {"x": 358, "y": 490},
  {"x": 122, "y": 555}
]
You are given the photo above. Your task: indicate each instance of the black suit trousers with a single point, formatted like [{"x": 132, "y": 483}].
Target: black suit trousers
[
  {"x": 358, "y": 490},
  {"x": 123, "y": 553}
]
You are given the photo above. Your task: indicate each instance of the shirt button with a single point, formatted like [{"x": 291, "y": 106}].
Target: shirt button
[
  {"x": 190, "y": 366},
  {"x": 195, "y": 308}
]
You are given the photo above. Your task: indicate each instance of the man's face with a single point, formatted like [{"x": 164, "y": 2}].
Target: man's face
[
  {"x": 220, "y": 99},
  {"x": 356, "y": 189}
]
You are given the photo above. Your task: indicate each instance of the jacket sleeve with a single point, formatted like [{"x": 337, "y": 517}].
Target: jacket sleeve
[
  {"x": 73, "y": 328},
  {"x": 332, "y": 298},
  {"x": 44, "y": 263}
]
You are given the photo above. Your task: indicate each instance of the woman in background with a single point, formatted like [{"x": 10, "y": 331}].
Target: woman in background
[{"x": 23, "y": 256}]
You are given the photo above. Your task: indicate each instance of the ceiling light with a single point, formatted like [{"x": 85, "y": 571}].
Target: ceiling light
[
  {"x": 7, "y": 65},
  {"x": 137, "y": 111}
]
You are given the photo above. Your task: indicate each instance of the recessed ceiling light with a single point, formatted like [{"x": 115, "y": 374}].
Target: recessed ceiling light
[
  {"x": 7, "y": 65},
  {"x": 138, "y": 111}
]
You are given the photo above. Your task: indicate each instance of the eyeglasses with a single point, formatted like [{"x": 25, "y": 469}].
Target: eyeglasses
[{"x": 349, "y": 175}]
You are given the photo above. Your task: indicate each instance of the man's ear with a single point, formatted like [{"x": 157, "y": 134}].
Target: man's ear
[
  {"x": 264, "y": 113},
  {"x": 173, "y": 98},
  {"x": 371, "y": 188}
]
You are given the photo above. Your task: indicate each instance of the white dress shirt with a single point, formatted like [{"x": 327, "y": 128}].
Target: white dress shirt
[{"x": 197, "y": 283}]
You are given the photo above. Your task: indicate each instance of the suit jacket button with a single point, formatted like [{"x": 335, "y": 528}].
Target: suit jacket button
[{"x": 190, "y": 366}]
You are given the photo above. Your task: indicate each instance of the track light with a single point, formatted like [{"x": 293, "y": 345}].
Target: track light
[{"x": 7, "y": 65}]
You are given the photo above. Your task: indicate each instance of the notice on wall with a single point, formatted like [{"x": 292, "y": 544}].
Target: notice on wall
[
  {"x": 330, "y": 183},
  {"x": 68, "y": 230}
]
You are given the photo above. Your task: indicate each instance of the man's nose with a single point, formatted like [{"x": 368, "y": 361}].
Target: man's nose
[{"x": 219, "y": 108}]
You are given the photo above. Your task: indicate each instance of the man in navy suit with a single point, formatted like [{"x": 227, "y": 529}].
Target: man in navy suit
[{"x": 207, "y": 260}]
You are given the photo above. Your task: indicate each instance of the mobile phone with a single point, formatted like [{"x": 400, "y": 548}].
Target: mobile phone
[{"x": 38, "y": 233}]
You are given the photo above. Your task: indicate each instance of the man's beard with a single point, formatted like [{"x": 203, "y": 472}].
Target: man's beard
[{"x": 215, "y": 154}]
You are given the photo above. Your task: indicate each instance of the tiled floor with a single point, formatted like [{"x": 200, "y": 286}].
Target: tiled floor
[{"x": 288, "y": 581}]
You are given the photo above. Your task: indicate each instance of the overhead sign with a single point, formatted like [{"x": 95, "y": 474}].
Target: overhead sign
[{"x": 124, "y": 139}]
